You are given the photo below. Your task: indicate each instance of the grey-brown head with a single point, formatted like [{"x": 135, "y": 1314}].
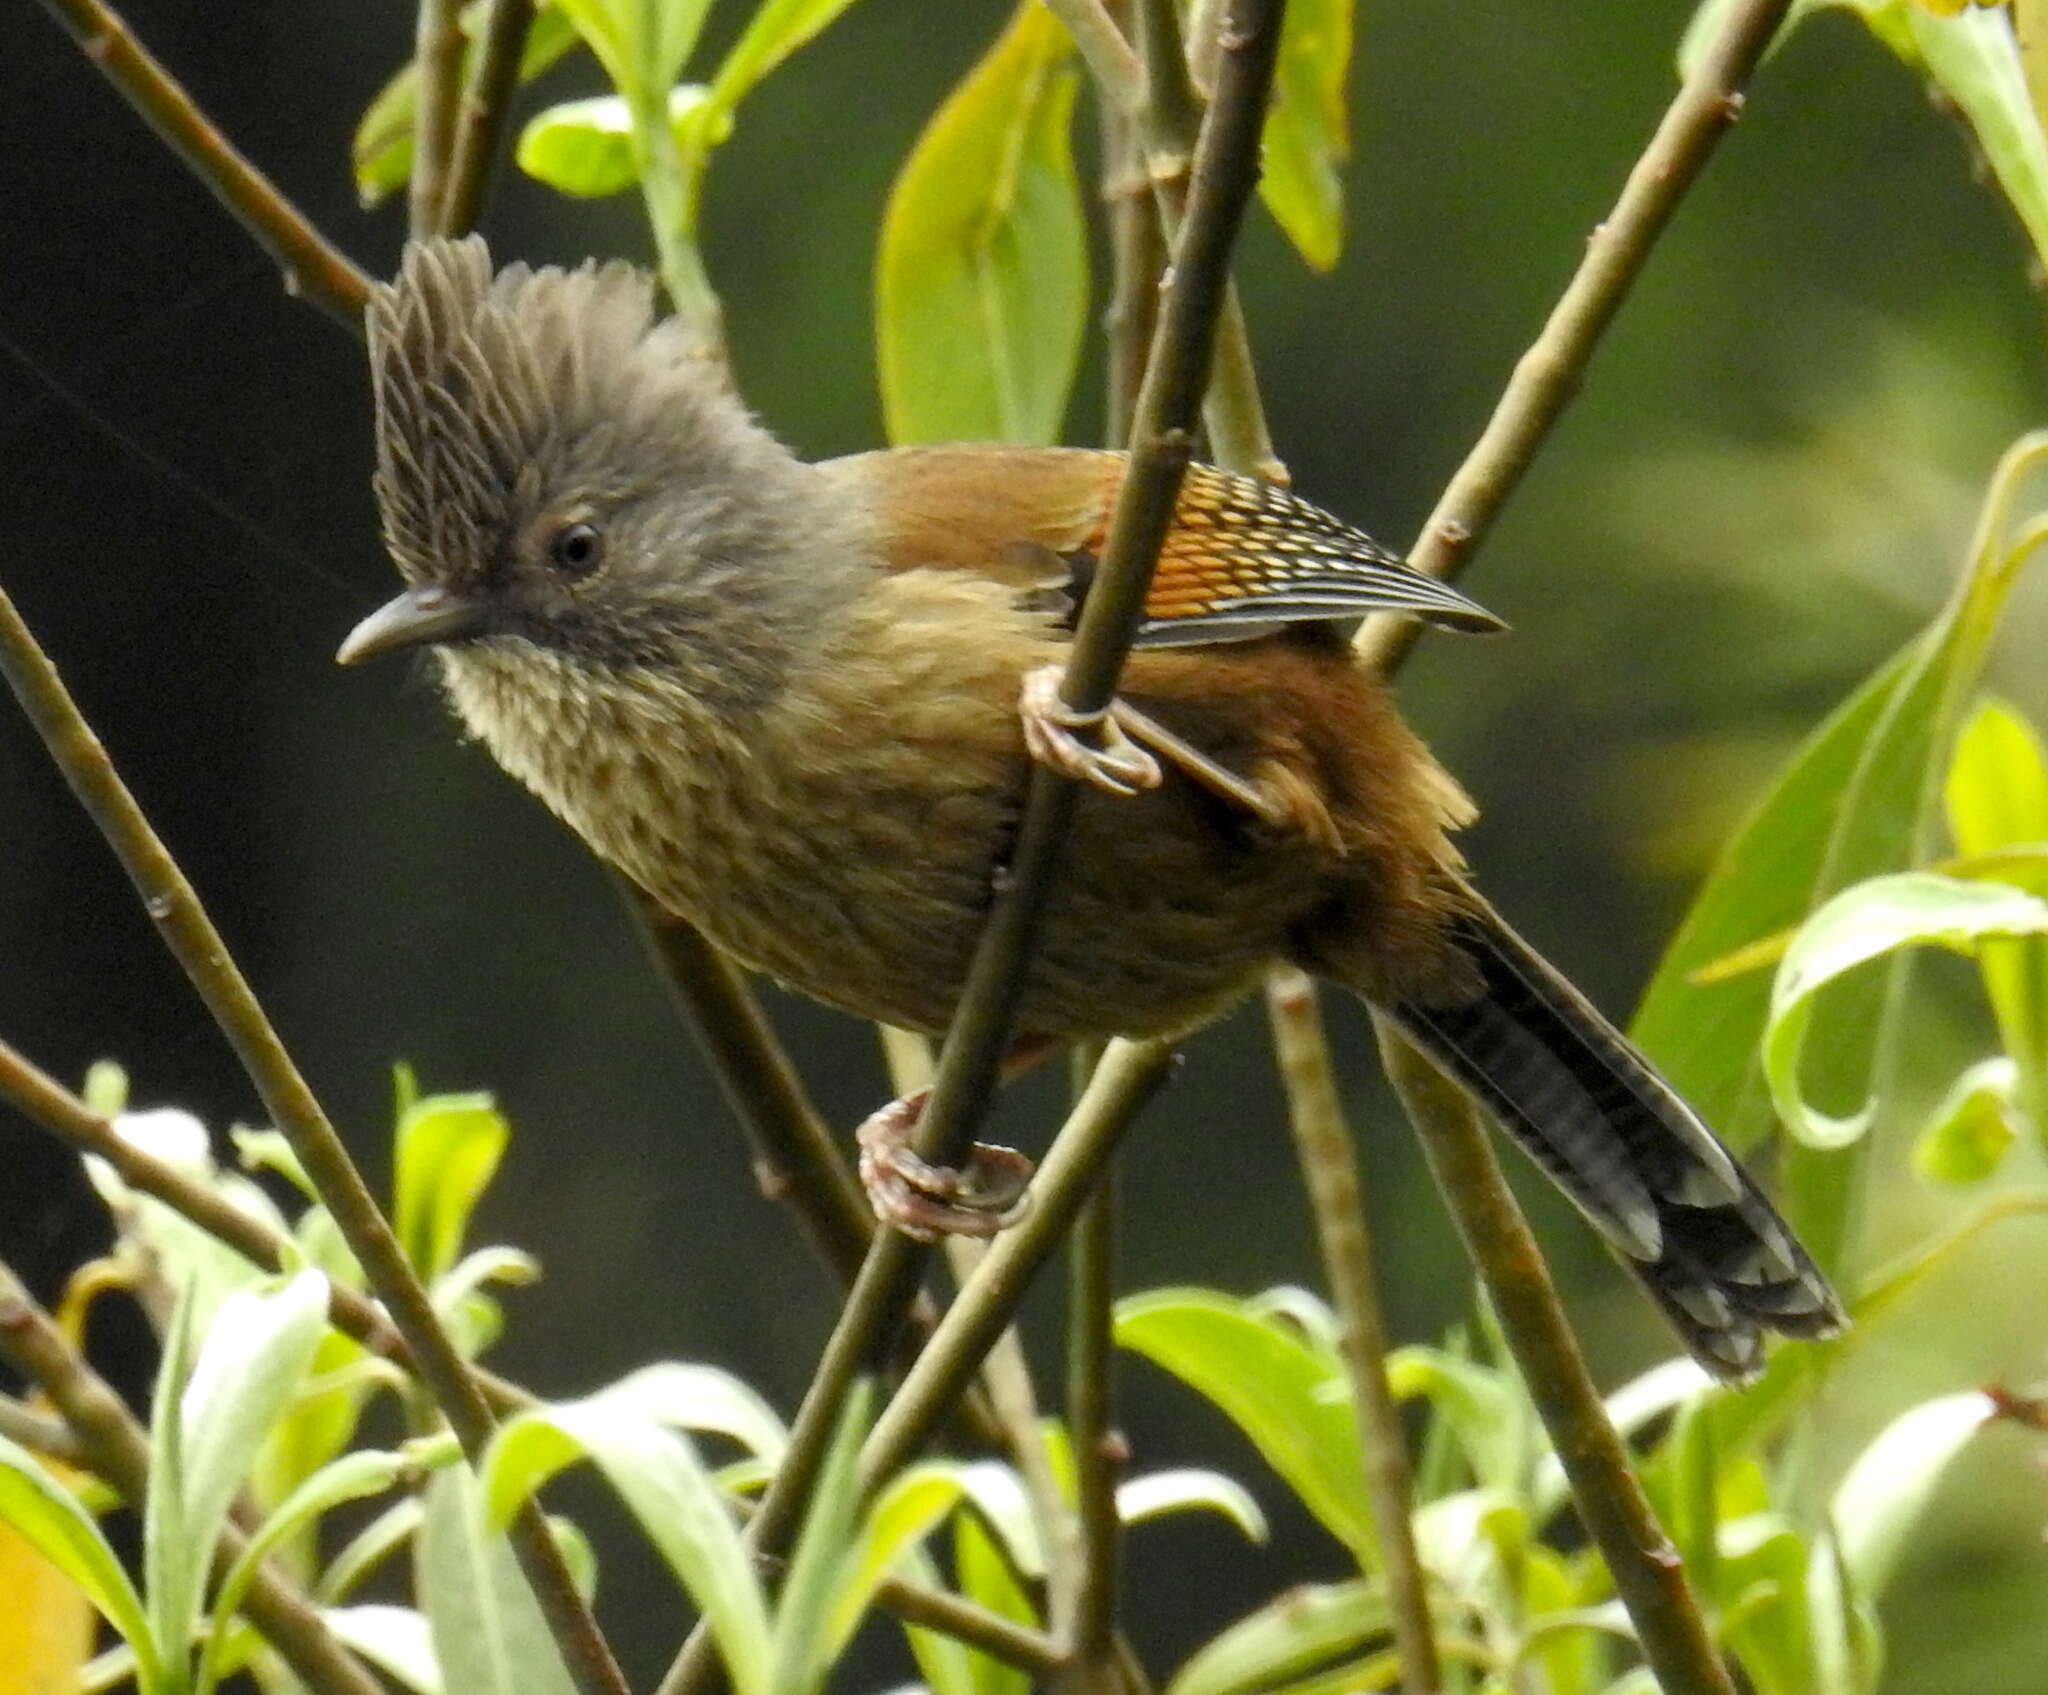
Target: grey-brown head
[{"x": 556, "y": 468}]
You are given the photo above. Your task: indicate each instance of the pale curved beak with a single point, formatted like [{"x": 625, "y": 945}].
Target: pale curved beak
[{"x": 417, "y": 618}]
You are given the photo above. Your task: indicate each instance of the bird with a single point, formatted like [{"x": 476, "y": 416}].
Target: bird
[{"x": 798, "y": 704}]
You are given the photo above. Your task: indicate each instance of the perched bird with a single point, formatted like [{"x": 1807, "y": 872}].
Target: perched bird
[{"x": 796, "y": 703}]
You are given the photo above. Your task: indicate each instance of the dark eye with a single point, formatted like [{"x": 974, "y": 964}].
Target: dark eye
[{"x": 578, "y": 549}]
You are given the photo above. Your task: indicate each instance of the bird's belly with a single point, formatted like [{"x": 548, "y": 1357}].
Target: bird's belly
[{"x": 871, "y": 896}]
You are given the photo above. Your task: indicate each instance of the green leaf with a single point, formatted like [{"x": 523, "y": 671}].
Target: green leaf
[
  {"x": 488, "y": 1633},
  {"x": 1287, "y": 1395},
  {"x": 447, "y": 1150},
  {"x": 585, "y": 147},
  {"x": 209, "y": 1430},
  {"x": 776, "y": 30},
  {"x": 822, "y": 1566},
  {"x": 642, "y": 44},
  {"x": 1880, "y": 1501},
  {"x": 1483, "y": 1409},
  {"x": 1765, "y": 1612},
  {"x": 981, "y": 286},
  {"x": 382, "y": 151},
  {"x": 1162, "y": 1492},
  {"x": 46, "y": 1516},
  {"x": 662, "y": 1481},
  {"x": 985, "y": 1576},
  {"x": 1911, "y": 909},
  {"x": 382, "y": 1537},
  {"x": 350, "y": 1478},
  {"x": 1303, "y": 1629},
  {"x": 1967, "y": 1137},
  {"x": 1308, "y": 135},
  {"x": 1997, "y": 799},
  {"x": 396, "y": 1640},
  {"x": 904, "y": 1513},
  {"x": 1854, "y": 803}
]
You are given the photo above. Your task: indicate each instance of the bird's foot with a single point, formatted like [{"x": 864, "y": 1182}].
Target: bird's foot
[
  {"x": 1057, "y": 736},
  {"x": 926, "y": 1201}
]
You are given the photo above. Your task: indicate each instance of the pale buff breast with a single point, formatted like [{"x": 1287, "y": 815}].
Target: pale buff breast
[{"x": 843, "y": 837}]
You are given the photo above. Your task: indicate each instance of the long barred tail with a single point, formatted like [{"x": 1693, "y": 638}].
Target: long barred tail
[{"x": 1595, "y": 1115}]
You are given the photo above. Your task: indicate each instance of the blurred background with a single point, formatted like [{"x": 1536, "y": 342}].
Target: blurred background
[{"x": 1766, "y": 486}]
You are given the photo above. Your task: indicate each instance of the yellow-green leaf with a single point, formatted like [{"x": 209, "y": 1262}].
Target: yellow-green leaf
[
  {"x": 1970, "y": 1133},
  {"x": 1308, "y": 133},
  {"x": 776, "y": 30},
  {"x": 585, "y": 147},
  {"x": 981, "y": 287},
  {"x": 1997, "y": 798}
]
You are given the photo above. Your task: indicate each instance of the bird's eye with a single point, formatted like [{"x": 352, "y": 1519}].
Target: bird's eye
[{"x": 578, "y": 549}]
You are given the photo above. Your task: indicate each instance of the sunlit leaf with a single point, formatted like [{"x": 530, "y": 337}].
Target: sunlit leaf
[
  {"x": 1162, "y": 1492},
  {"x": 585, "y": 147},
  {"x": 1881, "y": 1500},
  {"x": 776, "y": 30},
  {"x": 1853, "y": 803},
  {"x": 1764, "y": 1606},
  {"x": 1308, "y": 130},
  {"x": 823, "y": 1564},
  {"x": 904, "y": 1513},
  {"x": 1005, "y": 1509},
  {"x": 981, "y": 286},
  {"x": 488, "y": 1633},
  {"x": 1289, "y": 1397},
  {"x": 376, "y": 1542},
  {"x": 249, "y": 1364},
  {"x": 642, "y": 44},
  {"x": 1968, "y": 1135},
  {"x": 1483, "y": 1408},
  {"x": 1997, "y": 798},
  {"x": 657, "y": 1473},
  {"x": 396, "y": 1640},
  {"x": 382, "y": 150},
  {"x": 46, "y": 1516},
  {"x": 1302, "y": 1629},
  {"x": 350, "y": 1478},
  {"x": 46, "y": 1619},
  {"x": 446, "y": 1151},
  {"x": 1911, "y": 909},
  {"x": 984, "y": 1576}
]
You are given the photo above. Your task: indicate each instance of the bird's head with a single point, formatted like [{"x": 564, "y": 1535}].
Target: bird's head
[{"x": 558, "y": 470}]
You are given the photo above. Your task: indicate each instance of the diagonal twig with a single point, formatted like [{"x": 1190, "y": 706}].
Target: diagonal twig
[
  {"x": 1547, "y": 375},
  {"x": 486, "y": 106},
  {"x": 313, "y": 269},
  {"x": 112, "y": 1444},
  {"x": 1330, "y": 1172},
  {"x": 1645, "y": 1566},
  {"x": 173, "y": 904}
]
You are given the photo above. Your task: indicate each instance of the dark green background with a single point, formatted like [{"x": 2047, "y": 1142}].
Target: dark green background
[{"x": 1766, "y": 485}]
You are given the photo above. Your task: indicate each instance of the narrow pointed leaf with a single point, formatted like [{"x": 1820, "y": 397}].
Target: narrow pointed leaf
[
  {"x": 1881, "y": 1500},
  {"x": 776, "y": 30},
  {"x": 488, "y": 1633},
  {"x": 1968, "y": 1135},
  {"x": 1304, "y": 1628},
  {"x": 396, "y": 1640},
  {"x": 448, "y": 1148},
  {"x": 1160, "y": 1493},
  {"x": 823, "y": 1564}
]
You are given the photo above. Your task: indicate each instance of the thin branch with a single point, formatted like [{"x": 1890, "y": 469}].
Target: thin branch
[
  {"x": 484, "y": 113},
  {"x": 437, "y": 75},
  {"x": 796, "y": 1159},
  {"x": 1139, "y": 254},
  {"x": 968, "y": 1621},
  {"x": 1099, "y": 1451},
  {"x": 196, "y": 944},
  {"x": 1547, "y": 375},
  {"x": 1646, "y": 1569},
  {"x": 113, "y": 1445},
  {"x": 1330, "y": 1172},
  {"x": 46, "y": 1103},
  {"x": 312, "y": 268},
  {"x": 486, "y": 106},
  {"x": 1129, "y": 1075},
  {"x": 1103, "y": 48},
  {"x": 1171, "y": 120},
  {"x": 40, "y": 1433}
]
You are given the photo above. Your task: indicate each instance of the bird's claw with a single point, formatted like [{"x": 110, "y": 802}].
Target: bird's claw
[
  {"x": 926, "y": 1201},
  {"x": 1056, "y": 736}
]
